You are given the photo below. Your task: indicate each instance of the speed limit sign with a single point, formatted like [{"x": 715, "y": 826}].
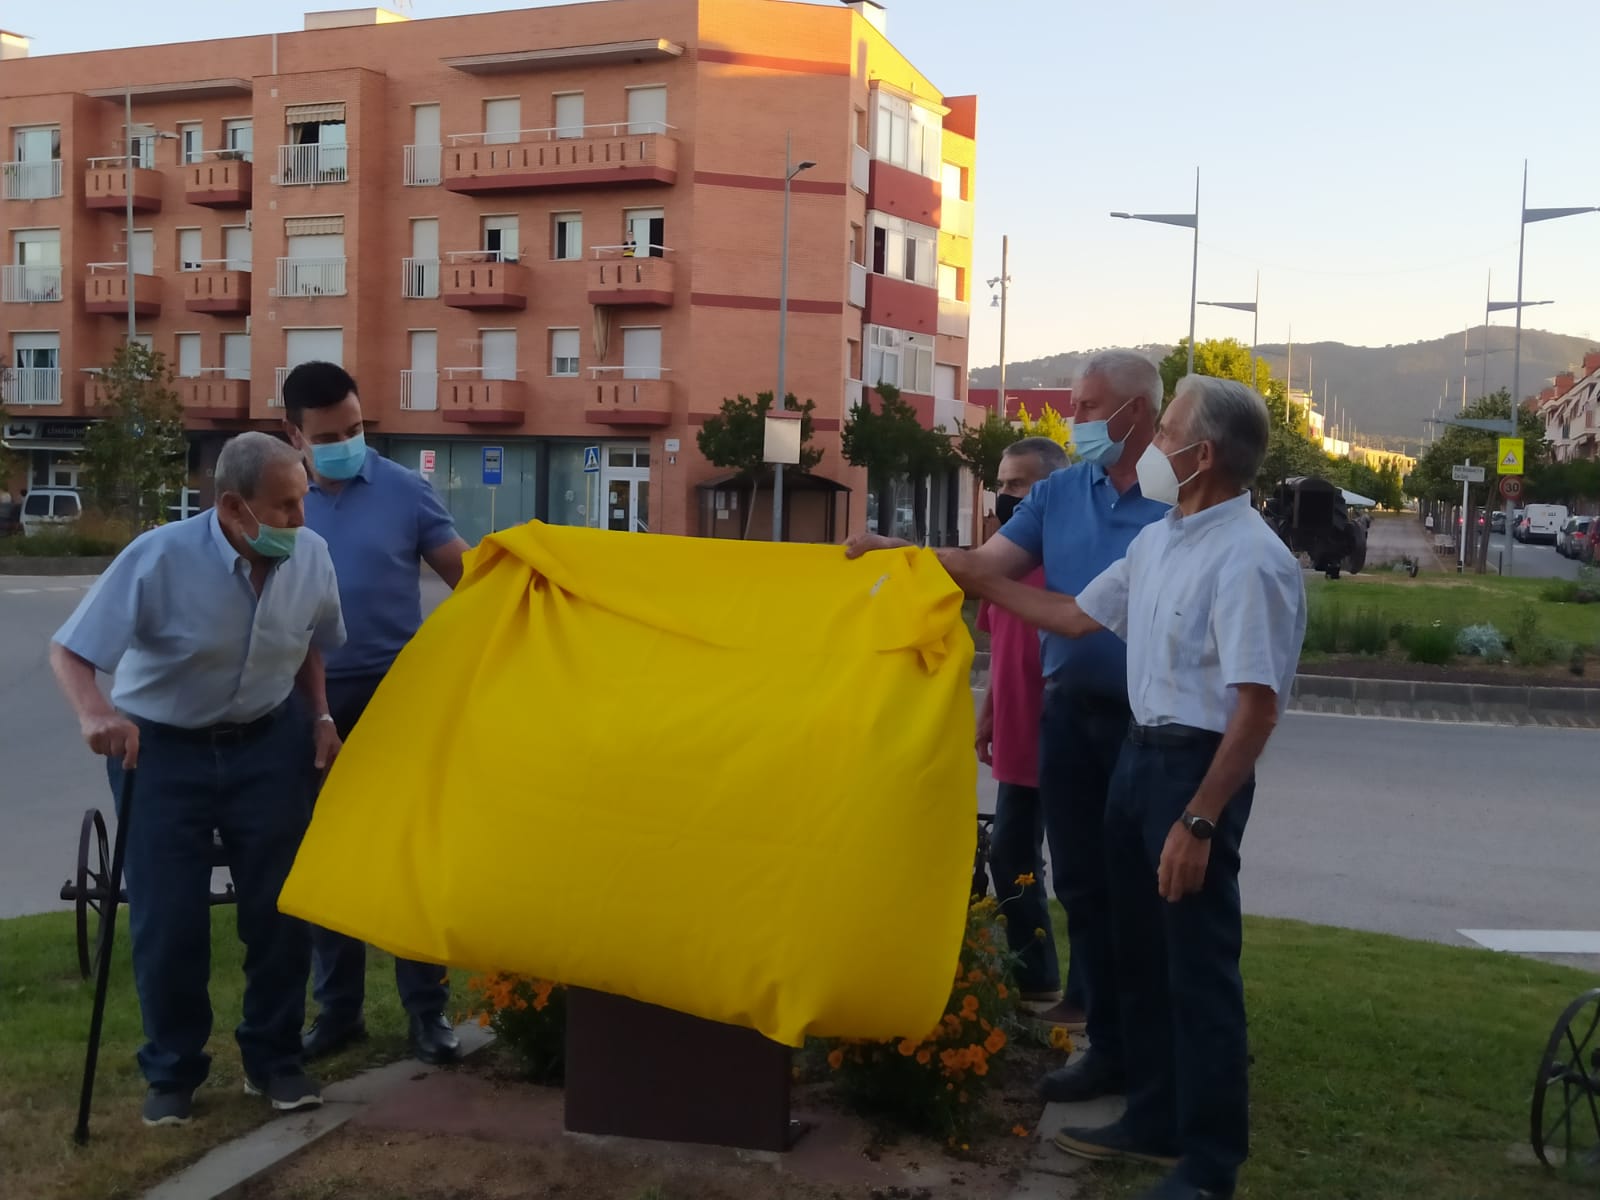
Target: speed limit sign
[{"x": 1511, "y": 486}]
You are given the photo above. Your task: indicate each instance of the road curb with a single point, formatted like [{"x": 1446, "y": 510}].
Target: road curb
[
  {"x": 1579, "y": 706},
  {"x": 43, "y": 566}
]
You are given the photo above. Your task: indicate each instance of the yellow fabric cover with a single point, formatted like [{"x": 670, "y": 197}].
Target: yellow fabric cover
[{"x": 732, "y": 779}]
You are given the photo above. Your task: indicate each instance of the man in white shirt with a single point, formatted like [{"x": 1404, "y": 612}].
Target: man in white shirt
[{"x": 1212, "y": 606}]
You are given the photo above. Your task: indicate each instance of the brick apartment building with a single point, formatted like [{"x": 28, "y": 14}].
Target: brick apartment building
[
  {"x": 555, "y": 231},
  {"x": 1571, "y": 410}
]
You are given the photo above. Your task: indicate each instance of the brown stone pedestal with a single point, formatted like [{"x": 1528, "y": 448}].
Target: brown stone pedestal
[{"x": 635, "y": 1070}]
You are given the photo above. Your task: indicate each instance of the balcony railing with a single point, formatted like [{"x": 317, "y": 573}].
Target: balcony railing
[
  {"x": 481, "y": 279},
  {"x": 423, "y": 166},
  {"x": 419, "y": 278},
  {"x": 950, "y": 413},
  {"x": 313, "y": 163},
  {"x": 214, "y": 394},
  {"x": 106, "y": 184},
  {"x": 216, "y": 288},
  {"x": 647, "y": 278},
  {"x": 221, "y": 179},
  {"x": 471, "y": 398},
  {"x": 32, "y": 180},
  {"x": 419, "y": 391},
  {"x": 31, "y": 385},
  {"x": 955, "y": 216},
  {"x": 589, "y": 156},
  {"x": 858, "y": 285},
  {"x": 860, "y": 168},
  {"x": 639, "y": 401},
  {"x": 311, "y": 276},
  {"x": 279, "y": 374},
  {"x": 954, "y": 317},
  {"x": 629, "y": 372},
  {"x": 30, "y": 285},
  {"x": 105, "y": 291}
]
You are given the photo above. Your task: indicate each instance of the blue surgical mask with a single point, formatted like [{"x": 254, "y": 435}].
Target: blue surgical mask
[
  {"x": 270, "y": 541},
  {"x": 1091, "y": 440},
  {"x": 340, "y": 460}
]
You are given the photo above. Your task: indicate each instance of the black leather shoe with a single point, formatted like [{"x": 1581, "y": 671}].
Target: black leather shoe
[
  {"x": 1090, "y": 1077},
  {"x": 433, "y": 1040},
  {"x": 325, "y": 1038}
]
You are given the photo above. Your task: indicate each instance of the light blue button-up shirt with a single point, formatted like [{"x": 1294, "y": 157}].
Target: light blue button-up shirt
[
  {"x": 175, "y": 621},
  {"x": 1206, "y": 603}
]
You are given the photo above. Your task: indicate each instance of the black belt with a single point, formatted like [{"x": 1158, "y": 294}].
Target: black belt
[
  {"x": 1171, "y": 735},
  {"x": 223, "y": 734}
]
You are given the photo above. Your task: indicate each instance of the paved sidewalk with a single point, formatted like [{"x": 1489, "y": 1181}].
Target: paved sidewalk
[{"x": 1401, "y": 536}]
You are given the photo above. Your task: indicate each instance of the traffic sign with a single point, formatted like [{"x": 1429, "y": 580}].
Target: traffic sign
[
  {"x": 492, "y": 471},
  {"x": 1466, "y": 474},
  {"x": 1510, "y": 456},
  {"x": 1511, "y": 487},
  {"x": 591, "y": 460},
  {"x": 430, "y": 460}
]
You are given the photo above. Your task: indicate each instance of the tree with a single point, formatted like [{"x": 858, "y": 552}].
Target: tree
[
  {"x": 1430, "y": 480},
  {"x": 135, "y": 458},
  {"x": 889, "y": 442},
  {"x": 735, "y": 439},
  {"x": 981, "y": 447},
  {"x": 1049, "y": 424},
  {"x": 1220, "y": 358}
]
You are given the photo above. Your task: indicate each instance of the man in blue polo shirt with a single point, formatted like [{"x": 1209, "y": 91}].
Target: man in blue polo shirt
[
  {"x": 381, "y": 522},
  {"x": 1076, "y": 523}
]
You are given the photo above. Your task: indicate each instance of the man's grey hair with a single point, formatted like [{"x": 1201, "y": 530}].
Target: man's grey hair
[
  {"x": 246, "y": 458},
  {"x": 1129, "y": 374},
  {"x": 1050, "y": 454},
  {"x": 1233, "y": 418}
]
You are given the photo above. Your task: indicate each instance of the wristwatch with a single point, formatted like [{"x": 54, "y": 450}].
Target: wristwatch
[
  {"x": 1199, "y": 826},
  {"x": 328, "y": 717}
]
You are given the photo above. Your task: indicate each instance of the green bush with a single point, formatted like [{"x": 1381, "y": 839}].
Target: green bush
[
  {"x": 1560, "y": 591},
  {"x": 90, "y": 536},
  {"x": 1330, "y": 630},
  {"x": 1434, "y": 644},
  {"x": 1529, "y": 645}
]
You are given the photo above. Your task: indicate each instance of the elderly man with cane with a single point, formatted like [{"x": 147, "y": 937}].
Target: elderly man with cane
[
  {"x": 209, "y": 627},
  {"x": 1213, "y": 609}
]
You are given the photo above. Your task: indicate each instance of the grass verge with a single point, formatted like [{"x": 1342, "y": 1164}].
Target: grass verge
[
  {"x": 44, "y": 1023},
  {"x": 1459, "y": 601}
]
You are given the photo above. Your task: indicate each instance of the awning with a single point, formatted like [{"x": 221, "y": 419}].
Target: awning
[
  {"x": 1354, "y": 501},
  {"x": 312, "y": 114},
  {"x": 311, "y": 226}
]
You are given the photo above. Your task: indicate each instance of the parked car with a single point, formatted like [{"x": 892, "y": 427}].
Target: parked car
[
  {"x": 1567, "y": 537},
  {"x": 1497, "y": 521},
  {"x": 1544, "y": 523},
  {"x": 49, "y": 508},
  {"x": 1583, "y": 541}
]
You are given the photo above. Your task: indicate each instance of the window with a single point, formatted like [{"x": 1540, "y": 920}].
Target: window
[
  {"x": 949, "y": 282},
  {"x": 500, "y": 238},
  {"x": 646, "y": 230},
  {"x": 238, "y": 138},
  {"x": 36, "y": 377},
  {"x": 142, "y": 147},
  {"x": 564, "y": 346},
  {"x": 647, "y": 110},
  {"x": 566, "y": 238},
  {"x": 188, "y": 249},
  {"x": 904, "y": 360},
  {"x": 319, "y": 148},
  {"x": 502, "y": 120},
  {"x": 191, "y": 142},
  {"x": 144, "y": 252},
  {"x": 315, "y": 265},
  {"x": 499, "y": 353},
  {"x": 188, "y": 355},
  {"x": 907, "y": 135},
  {"x": 236, "y": 356},
  {"x": 35, "y": 276},
  {"x": 569, "y": 114},
  {"x": 34, "y": 172},
  {"x": 903, "y": 249},
  {"x": 313, "y": 345},
  {"x": 236, "y": 247}
]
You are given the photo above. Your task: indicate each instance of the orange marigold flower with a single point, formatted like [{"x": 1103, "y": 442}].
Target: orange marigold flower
[
  {"x": 924, "y": 1056},
  {"x": 969, "y": 1007},
  {"x": 1002, "y": 992},
  {"x": 1024, "y": 880},
  {"x": 1060, "y": 1039},
  {"x": 907, "y": 1047},
  {"x": 996, "y": 1042},
  {"x": 1020, "y": 1130},
  {"x": 974, "y": 976},
  {"x": 981, "y": 1067},
  {"x": 836, "y": 1059}
]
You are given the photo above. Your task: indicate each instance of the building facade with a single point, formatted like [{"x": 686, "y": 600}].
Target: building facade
[
  {"x": 555, "y": 232},
  {"x": 1571, "y": 410}
]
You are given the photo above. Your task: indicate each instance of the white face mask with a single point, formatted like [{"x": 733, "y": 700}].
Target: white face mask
[{"x": 1157, "y": 479}]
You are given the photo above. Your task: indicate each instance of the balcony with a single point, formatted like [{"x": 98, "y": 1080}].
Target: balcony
[
  {"x": 30, "y": 387},
  {"x": 31, "y": 180},
  {"x": 534, "y": 159},
  {"x": 635, "y": 402},
  {"x": 216, "y": 289},
  {"x": 310, "y": 277},
  {"x": 860, "y": 168},
  {"x": 470, "y": 399},
  {"x": 949, "y": 413},
  {"x": 312, "y": 164},
  {"x": 955, "y": 317},
  {"x": 419, "y": 278},
  {"x": 423, "y": 166},
  {"x": 955, "y": 216},
  {"x": 213, "y": 396},
  {"x": 30, "y": 285},
  {"x": 105, "y": 186},
  {"x": 279, "y": 374},
  {"x": 105, "y": 292},
  {"x": 223, "y": 179},
  {"x": 479, "y": 279},
  {"x": 858, "y": 285},
  {"x": 645, "y": 282},
  {"x": 419, "y": 391}
]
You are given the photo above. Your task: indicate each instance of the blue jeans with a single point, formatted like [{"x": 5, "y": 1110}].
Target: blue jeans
[
  {"x": 1015, "y": 848},
  {"x": 340, "y": 962},
  {"x": 1178, "y": 966},
  {"x": 1080, "y": 737},
  {"x": 256, "y": 789}
]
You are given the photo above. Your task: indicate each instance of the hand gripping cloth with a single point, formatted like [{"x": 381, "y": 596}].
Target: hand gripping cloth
[{"x": 731, "y": 779}]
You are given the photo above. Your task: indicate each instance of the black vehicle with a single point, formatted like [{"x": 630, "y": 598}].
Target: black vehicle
[{"x": 1310, "y": 515}]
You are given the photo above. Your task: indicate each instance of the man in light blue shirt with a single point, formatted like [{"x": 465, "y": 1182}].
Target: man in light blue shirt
[
  {"x": 381, "y": 522},
  {"x": 208, "y": 626}
]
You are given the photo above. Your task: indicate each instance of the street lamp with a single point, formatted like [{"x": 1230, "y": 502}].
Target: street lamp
[
  {"x": 790, "y": 170},
  {"x": 1003, "y": 281},
  {"x": 1252, "y": 307},
  {"x": 1187, "y": 221},
  {"x": 130, "y": 159}
]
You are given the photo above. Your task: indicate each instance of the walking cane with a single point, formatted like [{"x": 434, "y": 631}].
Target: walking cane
[{"x": 103, "y": 968}]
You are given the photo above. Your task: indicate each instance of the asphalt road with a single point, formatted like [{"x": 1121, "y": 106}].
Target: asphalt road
[
  {"x": 1404, "y": 827},
  {"x": 1532, "y": 561}
]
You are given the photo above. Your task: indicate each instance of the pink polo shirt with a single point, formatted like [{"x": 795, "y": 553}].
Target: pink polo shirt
[{"x": 1016, "y": 681}]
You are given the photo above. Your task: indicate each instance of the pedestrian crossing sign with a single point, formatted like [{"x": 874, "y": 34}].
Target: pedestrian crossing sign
[
  {"x": 1510, "y": 458},
  {"x": 591, "y": 459}
]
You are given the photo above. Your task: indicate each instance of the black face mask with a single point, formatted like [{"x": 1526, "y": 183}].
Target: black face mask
[{"x": 1005, "y": 505}]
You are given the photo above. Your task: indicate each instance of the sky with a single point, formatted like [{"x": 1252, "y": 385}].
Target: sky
[{"x": 1366, "y": 158}]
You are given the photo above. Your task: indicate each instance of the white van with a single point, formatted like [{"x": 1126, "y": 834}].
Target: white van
[
  {"x": 49, "y": 508},
  {"x": 1544, "y": 522}
]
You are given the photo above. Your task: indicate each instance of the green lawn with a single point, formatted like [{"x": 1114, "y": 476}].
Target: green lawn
[
  {"x": 44, "y": 1023},
  {"x": 1388, "y": 1069},
  {"x": 1459, "y": 600}
]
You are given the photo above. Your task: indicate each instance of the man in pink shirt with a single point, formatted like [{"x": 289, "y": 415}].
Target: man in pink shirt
[{"x": 1008, "y": 741}]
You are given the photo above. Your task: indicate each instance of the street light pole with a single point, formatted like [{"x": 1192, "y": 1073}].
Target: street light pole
[
  {"x": 1003, "y": 281},
  {"x": 1189, "y": 220},
  {"x": 127, "y": 186},
  {"x": 1253, "y": 307},
  {"x": 790, "y": 170}
]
